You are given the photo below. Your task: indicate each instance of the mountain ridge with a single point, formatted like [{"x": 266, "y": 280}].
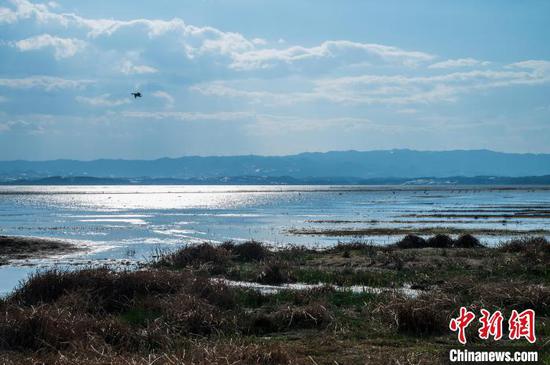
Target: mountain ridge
[
  {"x": 397, "y": 163},
  {"x": 286, "y": 180}
]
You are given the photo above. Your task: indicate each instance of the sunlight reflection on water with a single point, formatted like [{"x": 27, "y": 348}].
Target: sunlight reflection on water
[{"x": 142, "y": 218}]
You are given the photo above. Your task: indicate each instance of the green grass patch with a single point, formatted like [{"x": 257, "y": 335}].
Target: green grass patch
[
  {"x": 349, "y": 277},
  {"x": 139, "y": 316}
]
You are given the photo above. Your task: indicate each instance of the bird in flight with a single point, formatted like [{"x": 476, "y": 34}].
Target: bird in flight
[{"x": 136, "y": 95}]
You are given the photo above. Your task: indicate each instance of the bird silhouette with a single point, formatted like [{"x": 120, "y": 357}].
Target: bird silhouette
[{"x": 136, "y": 95}]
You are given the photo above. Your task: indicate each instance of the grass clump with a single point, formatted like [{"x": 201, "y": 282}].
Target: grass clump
[
  {"x": 412, "y": 241},
  {"x": 106, "y": 290},
  {"x": 275, "y": 273},
  {"x": 248, "y": 251},
  {"x": 213, "y": 257},
  {"x": 426, "y": 315},
  {"x": 364, "y": 247},
  {"x": 440, "y": 241},
  {"x": 347, "y": 277},
  {"x": 527, "y": 245},
  {"x": 467, "y": 241},
  {"x": 292, "y": 317}
]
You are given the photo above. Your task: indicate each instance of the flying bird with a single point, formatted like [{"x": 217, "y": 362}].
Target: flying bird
[{"x": 136, "y": 95}]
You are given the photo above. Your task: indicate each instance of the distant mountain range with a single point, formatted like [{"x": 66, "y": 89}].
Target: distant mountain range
[
  {"x": 393, "y": 166},
  {"x": 283, "y": 180}
]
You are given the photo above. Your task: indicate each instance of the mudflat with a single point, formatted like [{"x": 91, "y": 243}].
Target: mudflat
[{"x": 21, "y": 248}]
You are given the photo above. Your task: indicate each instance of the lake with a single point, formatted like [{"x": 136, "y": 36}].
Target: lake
[{"x": 125, "y": 224}]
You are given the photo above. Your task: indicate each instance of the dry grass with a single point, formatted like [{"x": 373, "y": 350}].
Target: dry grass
[
  {"x": 140, "y": 312},
  {"x": 215, "y": 258},
  {"x": 275, "y": 273},
  {"x": 438, "y": 241},
  {"x": 528, "y": 245},
  {"x": 247, "y": 251},
  {"x": 429, "y": 314},
  {"x": 192, "y": 352},
  {"x": 172, "y": 313}
]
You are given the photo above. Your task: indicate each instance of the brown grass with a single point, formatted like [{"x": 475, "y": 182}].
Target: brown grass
[
  {"x": 135, "y": 312},
  {"x": 172, "y": 313},
  {"x": 192, "y": 352},
  {"x": 429, "y": 314},
  {"x": 215, "y": 258},
  {"x": 248, "y": 251},
  {"x": 275, "y": 273},
  {"x": 529, "y": 245},
  {"x": 411, "y": 241}
]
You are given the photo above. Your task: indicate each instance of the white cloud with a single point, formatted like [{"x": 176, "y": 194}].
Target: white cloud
[
  {"x": 21, "y": 126},
  {"x": 388, "y": 89},
  {"x": 222, "y": 89},
  {"x": 460, "y": 62},
  {"x": 25, "y": 10},
  {"x": 104, "y": 100},
  {"x": 407, "y": 111},
  {"x": 242, "y": 53},
  {"x": 540, "y": 66},
  {"x": 190, "y": 116},
  {"x": 269, "y": 125},
  {"x": 165, "y": 97},
  {"x": 7, "y": 16},
  {"x": 63, "y": 47},
  {"x": 259, "y": 123},
  {"x": 262, "y": 58},
  {"x": 431, "y": 81},
  {"x": 212, "y": 38},
  {"x": 129, "y": 68},
  {"x": 259, "y": 41},
  {"x": 6, "y": 126},
  {"x": 47, "y": 83}
]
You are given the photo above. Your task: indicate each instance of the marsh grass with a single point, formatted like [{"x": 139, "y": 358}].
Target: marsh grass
[
  {"x": 215, "y": 258},
  {"x": 247, "y": 251},
  {"x": 275, "y": 273},
  {"x": 348, "y": 277},
  {"x": 411, "y": 241},
  {"x": 537, "y": 246},
  {"x": 171, "y": 312}
]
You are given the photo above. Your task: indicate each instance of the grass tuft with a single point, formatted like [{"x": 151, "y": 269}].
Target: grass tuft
[
  {"x": 215, "y": 258},
  {"x": 275, "y": 273},
  {"x": 528, "y": 245},
  {"x": 250, "y": 251}
]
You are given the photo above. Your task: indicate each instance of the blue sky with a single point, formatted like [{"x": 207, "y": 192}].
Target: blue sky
[{"x": 224, "y": 77}]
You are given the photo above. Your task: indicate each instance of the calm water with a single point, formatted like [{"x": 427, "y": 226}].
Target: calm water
[{"x": 129, "y": 222}]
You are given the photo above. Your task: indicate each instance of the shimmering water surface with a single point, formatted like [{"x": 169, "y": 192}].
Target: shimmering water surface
[{"x": 129, "y": 222}]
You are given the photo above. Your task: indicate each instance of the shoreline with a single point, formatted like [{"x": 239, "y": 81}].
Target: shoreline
[{"x": 396, "y": 231}]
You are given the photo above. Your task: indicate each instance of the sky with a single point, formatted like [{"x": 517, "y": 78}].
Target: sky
[{"x": 221, "y": 77}]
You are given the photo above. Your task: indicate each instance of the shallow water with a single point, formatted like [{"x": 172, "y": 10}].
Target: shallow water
[
  {"x": 129, "y": 222},
  {"x": 273, "y": 289}
]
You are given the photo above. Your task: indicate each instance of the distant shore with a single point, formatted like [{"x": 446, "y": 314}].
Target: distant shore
[{"x": 450, "y": 181}]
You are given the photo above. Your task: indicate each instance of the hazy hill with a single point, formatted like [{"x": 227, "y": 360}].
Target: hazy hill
[
  {"x": 363, "y": 165},
  {"x": 282, "y": 180}
]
